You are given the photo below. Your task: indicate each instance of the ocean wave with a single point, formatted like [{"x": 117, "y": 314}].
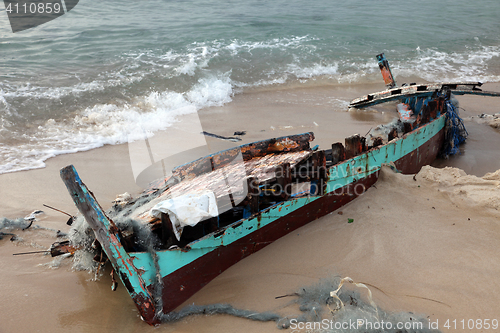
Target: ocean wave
[
  {"x": 152, "y": 87},
  {"x": 112, "y": 124},
  {"x": 434, "y": 65},
  {"x": 259, "y": 63},
  {"x": 316, "y": 70}
]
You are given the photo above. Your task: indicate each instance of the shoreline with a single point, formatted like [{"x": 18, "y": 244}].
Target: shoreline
[
  {"x": 108, "y": 172},
  {"x": 424, "y": 258}
]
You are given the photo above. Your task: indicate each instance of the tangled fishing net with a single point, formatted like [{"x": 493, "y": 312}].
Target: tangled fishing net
[
  {"x": 12, "y": 228},
  {"x": 455, "y": 132},
  {"x": 7, "y": 225},
  {"x": 325, "y": 307}
]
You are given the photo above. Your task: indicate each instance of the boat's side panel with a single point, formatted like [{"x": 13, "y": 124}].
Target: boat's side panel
[
  {"x": 408, "y": 153},
  {"x": 172, "y": 260},
  {"x": 181, "y": 284},
  {"x": 424, "y": 154},
  {"x": 187, "y": 271}
]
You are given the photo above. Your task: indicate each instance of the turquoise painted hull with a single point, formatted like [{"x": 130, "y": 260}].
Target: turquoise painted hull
[
  {"x": 176, "y": 274},
  {"x": 346, "y": 181}
]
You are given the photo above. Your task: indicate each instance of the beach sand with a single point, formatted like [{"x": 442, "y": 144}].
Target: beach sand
[{"x": 430, "y": 252}]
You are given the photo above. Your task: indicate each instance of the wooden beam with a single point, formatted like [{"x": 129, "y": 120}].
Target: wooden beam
[
  {"x": 253, "y": 194},
  {"x": 353, "y": 146},
  {"x": 338, "y": 153},
  {"x": 108, "y": 235}
]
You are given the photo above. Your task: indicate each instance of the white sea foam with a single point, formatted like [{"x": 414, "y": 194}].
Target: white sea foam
[
  {"x": 316, "y": 70},
  {"x": 237, "y": 45},
  {"x": 434, "y": 65},
  {"x": 113, "y": 123},
  {"x": 192, "y": 77}
]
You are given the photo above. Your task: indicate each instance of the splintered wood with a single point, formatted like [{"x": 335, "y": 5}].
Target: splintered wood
[{"x": 229, "y": 183}]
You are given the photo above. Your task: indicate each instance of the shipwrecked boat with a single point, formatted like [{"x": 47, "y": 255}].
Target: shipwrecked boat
[{"x": 219, "y": 209}]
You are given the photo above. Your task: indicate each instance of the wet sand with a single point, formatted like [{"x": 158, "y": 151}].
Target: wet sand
[{"x": 401, "y": 244}]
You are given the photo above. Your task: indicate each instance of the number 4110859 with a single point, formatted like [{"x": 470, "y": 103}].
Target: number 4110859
[
  {"x": 34, "y": 8},
  {"x": 471, "y": 324}
]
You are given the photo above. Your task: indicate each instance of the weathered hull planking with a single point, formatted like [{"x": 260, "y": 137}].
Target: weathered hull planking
[
  {"x": 184, "y": 272},
  {"x": 428, "y": 124}
]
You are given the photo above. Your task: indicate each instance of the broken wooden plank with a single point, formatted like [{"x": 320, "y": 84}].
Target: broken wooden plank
[
  {"x": 253, "y": 194},
  {"x": 353, "y": 146},
  {"x": 392, "y": 134},
  {"x": 378, "y": 141},
  {"x": 338, "y": 153},
  {"x": 108, "y": 235},
  {"x": 292, "y": 143},
  {"x": 420, "y": 90},
  {"x": 320, "y": 173}
]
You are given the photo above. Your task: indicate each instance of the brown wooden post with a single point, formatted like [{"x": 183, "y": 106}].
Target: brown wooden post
[
  {"x": 253, "y": 194},
  {"x": 378, "y": 141},
  {"x": 338, "y": 153},
  {"x": 321, "y": 172},
  {"x": 353, "y": 146},
  {"x": 392, "y": 134}
]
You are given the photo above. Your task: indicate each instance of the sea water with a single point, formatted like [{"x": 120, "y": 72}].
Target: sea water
[{"x": 90, "y": 77}]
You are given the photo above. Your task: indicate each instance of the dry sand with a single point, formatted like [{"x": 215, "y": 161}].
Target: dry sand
[{"x": 412, "y": 239}]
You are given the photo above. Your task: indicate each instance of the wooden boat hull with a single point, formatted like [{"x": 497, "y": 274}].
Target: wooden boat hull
[
  {"x": 175, "y": 274},
  {"x": 186, "y": 281},
  {"x": 185, "y": 271}
]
